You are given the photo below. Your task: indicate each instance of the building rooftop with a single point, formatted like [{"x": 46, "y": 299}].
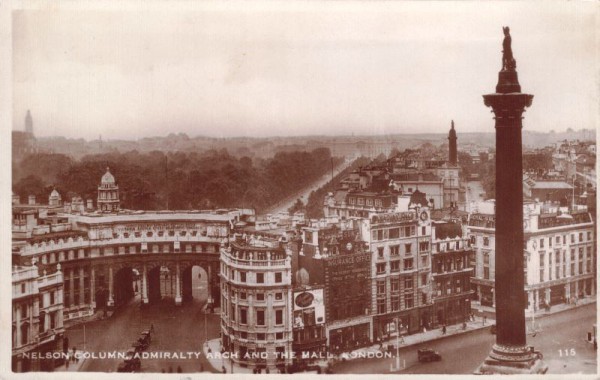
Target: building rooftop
[{"x": 551, "y": 185}]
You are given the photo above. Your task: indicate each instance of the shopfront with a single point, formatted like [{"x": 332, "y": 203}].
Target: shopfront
[{"x": 349, "y": 337}]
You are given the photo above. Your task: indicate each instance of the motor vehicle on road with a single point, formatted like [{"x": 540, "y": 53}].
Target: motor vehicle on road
[{"x": 428, "y": 355}]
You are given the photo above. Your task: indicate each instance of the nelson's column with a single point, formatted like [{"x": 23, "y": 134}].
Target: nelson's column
[{"x": 510, "y": 354}]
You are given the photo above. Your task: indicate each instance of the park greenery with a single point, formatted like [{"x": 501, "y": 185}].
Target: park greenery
[{"x": 174, "y": 180}]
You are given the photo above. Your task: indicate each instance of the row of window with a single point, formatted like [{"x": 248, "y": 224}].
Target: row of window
[
  {"x": 409, "y": 302},
  {"x": 259, "y": 315},
  {"x": 257, "y": 277},
  {"x": 451, "y": 264},
  {"x": 257, "y": 336},
  {"x": 395, "y": 232},
  {"x": 451, "y": 287},
  {"x": 573, "y": 239},
  {"x": 365, "y": 201},
  {"x": 51, "y": 258},
  {"x": 394, "y": 285},
  {"x": 395, "y": 266},
  {"x": 579, "y": 264},
  {"x": 257, "y": 296}
]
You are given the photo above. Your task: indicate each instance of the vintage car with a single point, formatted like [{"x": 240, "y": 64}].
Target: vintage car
[
  {"x": 147, "y": 333},
  {"x": 138, "y": 346},
  {"x": 132, "y": 362},
  {"x": 144, "y": 339},
  {"x": 428, "y": 355}
]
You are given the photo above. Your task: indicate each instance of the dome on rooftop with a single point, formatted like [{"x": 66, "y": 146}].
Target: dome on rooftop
[
  {"x": 54, "y": 194},
  {"x": 108, "y": 178}
]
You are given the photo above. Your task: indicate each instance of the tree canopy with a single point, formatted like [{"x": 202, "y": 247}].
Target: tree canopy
[{"x": 178, "y": 180}]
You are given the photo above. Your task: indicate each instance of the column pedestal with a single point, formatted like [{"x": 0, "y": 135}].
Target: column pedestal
[{"x": 507, "y": 360}]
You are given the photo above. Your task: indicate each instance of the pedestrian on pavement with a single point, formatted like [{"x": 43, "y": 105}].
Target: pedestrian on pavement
[
  {"x": 179, "y": 370},
  {"x": 73, "y": 357},
  {"x": 152, "y": 328},
  {"x": 484, "y": 319},
  {"x": 67, "y": 361},
  {"x": 464, "y": 325},
  {"x": 444, "y": 330},
  {"x": 223, "y": 369},
  {"x": 162, "y": 370}
]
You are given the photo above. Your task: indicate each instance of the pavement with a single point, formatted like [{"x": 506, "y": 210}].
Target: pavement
[
  {"x": 73, "y": 366},
  {"x": 211, "y": 350},
  {"x": 414, "y": 339},
  {"x": 218, "y": 363},
  {"x": 434, "y": 335},
  {"x": 463, "y": 353},
  {"x": 491, "y": 312}
]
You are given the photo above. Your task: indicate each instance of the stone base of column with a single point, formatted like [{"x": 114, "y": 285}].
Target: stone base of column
[
  {"x": 509, "y": 360},
  {"x": 145, "y": 301},
  {"x": 178, "y": 301}
]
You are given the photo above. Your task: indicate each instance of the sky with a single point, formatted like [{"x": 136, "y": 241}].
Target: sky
[{"x": 311, "y": 68}]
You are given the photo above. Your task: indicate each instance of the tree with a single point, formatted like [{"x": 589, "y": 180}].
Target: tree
[
  {"x": 488, "y": 179},
  {"x": 31, "y": 185},
  {"x": 298, "y": 206}
]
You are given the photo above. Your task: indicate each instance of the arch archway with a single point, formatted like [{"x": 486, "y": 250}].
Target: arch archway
[
  {"x": 154, "y": 284},
  {"x": 124, "y": 286},
  {"x": 194, "y": 284}
]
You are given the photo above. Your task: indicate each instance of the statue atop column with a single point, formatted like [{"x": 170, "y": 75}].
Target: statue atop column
[{"x": 508, "y": 61}]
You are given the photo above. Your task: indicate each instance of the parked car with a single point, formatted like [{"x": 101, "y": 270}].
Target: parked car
[
  {"x": 138, "y": 346},
  {"x": 145, "y": 339},
  {"x": 428, "y": 355},
  {"x": 132, "y": 362},
  {"x": 147, "y": 333}
]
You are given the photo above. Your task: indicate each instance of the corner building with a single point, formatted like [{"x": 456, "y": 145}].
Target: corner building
[
  {"x": 400, "y": 245},
  {"x": 559, "y": 256},
  {"x": 256, "y": 291}
]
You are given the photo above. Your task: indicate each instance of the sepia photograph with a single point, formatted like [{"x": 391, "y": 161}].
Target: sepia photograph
[{"x": 209, "y": 189}]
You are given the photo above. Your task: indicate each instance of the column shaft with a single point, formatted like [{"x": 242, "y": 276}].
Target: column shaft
[
  {"x": 81, "y": 287},
  {"x": 93, "y": 287},
  {"x": 144, "y": 285},
  {"x": 177, "y": 286},
  {"x": 71, "y": 288},
  {"x": 111, "y": 299},
  {"x": 509, "y": 281}
]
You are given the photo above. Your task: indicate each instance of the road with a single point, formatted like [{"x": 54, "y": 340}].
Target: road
[
  {"x": 177, "y": 329},
  {"x": 304, "y": 193},
  {"x": 474, "y": 193},
  {"x": 462, "y": 354}
]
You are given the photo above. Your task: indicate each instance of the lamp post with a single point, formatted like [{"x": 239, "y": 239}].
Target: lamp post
[{"x": 397, "y": 344}]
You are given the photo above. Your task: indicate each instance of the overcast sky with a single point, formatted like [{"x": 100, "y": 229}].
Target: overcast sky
[{"x": 332, "y": 68}]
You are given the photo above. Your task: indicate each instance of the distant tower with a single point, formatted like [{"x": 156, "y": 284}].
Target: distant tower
[
  {"x": 28, "y": 123},
  {"x": 108, "y": 193},
  {"x": 452, "y": 142},
  {"x": 54, "y": 199}
]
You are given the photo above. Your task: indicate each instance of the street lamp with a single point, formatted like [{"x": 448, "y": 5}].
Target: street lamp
[{"x": 398, "y": 324}]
